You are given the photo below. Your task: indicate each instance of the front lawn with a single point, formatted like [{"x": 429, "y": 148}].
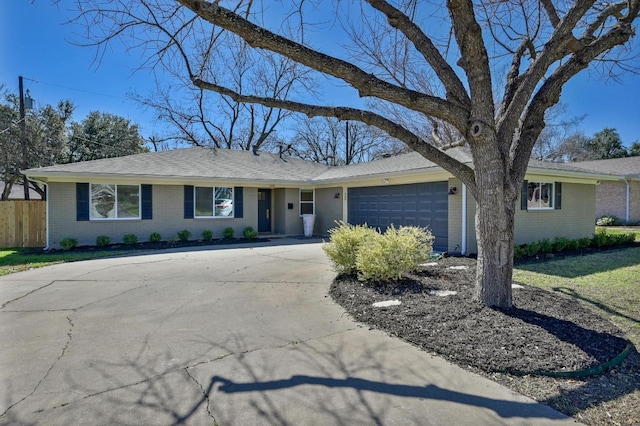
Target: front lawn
[{"x": 19, "y": 259}]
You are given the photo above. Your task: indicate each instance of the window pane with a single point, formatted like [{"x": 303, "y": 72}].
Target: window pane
[
  {"x": 306, "y": 195},
  {"x": 533, "y": 197},
  {"x": 128, "y": 201},
  {"x": 204, "y": 201},
  {"x": 546, "y": 192},
  {"x": 306, "y": 208},
  {"x": 103, "y": 200},
  {"x": 224, "y": 201}
]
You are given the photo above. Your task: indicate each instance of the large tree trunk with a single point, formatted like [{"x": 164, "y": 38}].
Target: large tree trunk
[{"x": 495, "y": 210}]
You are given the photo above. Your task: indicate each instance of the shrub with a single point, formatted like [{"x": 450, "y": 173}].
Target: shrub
[
  {"x": 519, "y": 251},
  {"x": 207, "y": 235},
  {"x": 249, "y": 232},
  {"x": 228, "y": 232},
  {"x": 560, "y": 243},
  {"x": 386, "y": 257},
  {"x": 584, "y": 243},
  {"x": 155, "y": 237},
  {"x": 546, "y": 246},
  {"x": 130, "y": 239},
  {"x": 103, "y": 240},
  {"x": 344, "y": 243},
  {"x": 68, "y": 243},
  {"x": 599, "y": 239},
  {"x": 608, "y": 220},
  {"x": 184, "y": 235}
]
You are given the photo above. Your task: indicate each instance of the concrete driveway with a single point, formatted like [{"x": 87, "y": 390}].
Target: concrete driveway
[{"x": 233, "y": 336}]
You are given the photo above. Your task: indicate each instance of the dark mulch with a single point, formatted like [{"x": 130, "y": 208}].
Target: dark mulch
[{"x": 544, "y": 331}]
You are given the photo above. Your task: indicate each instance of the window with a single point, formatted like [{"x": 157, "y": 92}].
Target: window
[
  {"x": 110, "y": 201},
  {"x": 540, "y": 195},
  {"x": 213, "y": 201},
  {"x": 307, "y": 205}
]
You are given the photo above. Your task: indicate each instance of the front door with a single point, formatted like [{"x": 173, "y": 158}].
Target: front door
[{"x": 264, "y": 210}]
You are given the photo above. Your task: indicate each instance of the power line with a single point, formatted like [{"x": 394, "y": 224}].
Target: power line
[{"x": 75, "y": 89}]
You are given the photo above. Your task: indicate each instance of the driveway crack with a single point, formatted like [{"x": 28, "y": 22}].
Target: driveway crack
[
  {"x": 64, "y": 350},
  {"x": 26, "y": 294},
  {"x": 205, "y": 396}
]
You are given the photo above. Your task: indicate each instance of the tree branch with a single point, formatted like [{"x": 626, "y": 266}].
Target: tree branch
[
  {"x": 455, "y": 167},
  {"x": 366, "y": 84},
  {"x": 423, "y": 44}
]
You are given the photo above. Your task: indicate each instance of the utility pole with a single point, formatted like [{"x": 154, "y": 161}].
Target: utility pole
[{"x": 23, "y": 139}]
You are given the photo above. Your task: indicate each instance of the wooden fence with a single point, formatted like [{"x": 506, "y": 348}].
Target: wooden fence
[{"x": 23, "y": 223}]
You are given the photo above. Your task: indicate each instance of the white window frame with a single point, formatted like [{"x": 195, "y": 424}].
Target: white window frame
[
  {"x": 115, "y": 205},
  {"x": 552, "y": 196},
  {"x": 312, "y": 202},
  {"x": 213, "y": 203}
]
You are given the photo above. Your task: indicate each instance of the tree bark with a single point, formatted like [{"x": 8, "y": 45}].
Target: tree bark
[{"x": 494, "y": 223}]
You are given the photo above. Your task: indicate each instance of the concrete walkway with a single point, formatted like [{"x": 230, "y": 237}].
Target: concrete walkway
[{"x": 233, "y": 336}]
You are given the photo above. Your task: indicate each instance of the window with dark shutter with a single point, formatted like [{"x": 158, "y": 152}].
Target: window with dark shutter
[
  {"x": 82, "y": 201},
  {"x": 188, "y": 201}
]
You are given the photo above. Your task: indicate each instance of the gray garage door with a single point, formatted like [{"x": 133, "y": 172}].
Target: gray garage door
[{"x": 420, "y": 204}]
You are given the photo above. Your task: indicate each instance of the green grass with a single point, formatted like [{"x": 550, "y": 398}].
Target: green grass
[
  {"x": 621, "y": 230},
  {"x": 607, "y": 281},
  {"x": 17, "y": 259}
]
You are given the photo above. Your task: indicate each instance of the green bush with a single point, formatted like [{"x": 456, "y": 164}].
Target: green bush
[
  {"x": 519, "y": 251},
  {"x": 584, "y": 243},
  {"x": 560, "y": 243},
  {"x": 228, "y": 232},
  {"x": 155, "y": 237},
  {"x": 344, "y": 243},
  {"x": 249, "y": 232},
  {"x": 608, "y": 220},
  {"x": 130, "y": 239},
  {"x": 184, "y": 235},
  {"x": 68, "y": 243},
  {"x": 386, "y": 257},
  {"x": 207, "y": 235},
  {"x": 103, "y": 240},
  {"x": 600, "y": 239},
  {"x": 546, "y": 246}
]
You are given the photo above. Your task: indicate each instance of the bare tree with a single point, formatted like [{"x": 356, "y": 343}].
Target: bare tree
[
  {"x": 327, "y": 141},
  {"x": 459, "y": 45}
]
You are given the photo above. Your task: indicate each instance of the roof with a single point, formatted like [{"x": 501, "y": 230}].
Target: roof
[
  {"x": 199, "y": 163},
  {"x": 626, "y": 166},
  {"x": 195, "y": 163}
]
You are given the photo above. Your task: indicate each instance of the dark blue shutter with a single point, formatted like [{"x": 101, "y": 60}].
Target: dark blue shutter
[
  {"x": 238, "y": 209},
  {"x": 188, "y": 201},
  {"x": 524, "y": 195},
  {"x": 558, "y": 202},
  {"x": 147, "y": 204},
  {"x": 82, "y": 201}
]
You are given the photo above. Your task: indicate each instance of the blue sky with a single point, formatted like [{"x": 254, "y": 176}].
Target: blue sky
[{"x": 34, "y": 43}]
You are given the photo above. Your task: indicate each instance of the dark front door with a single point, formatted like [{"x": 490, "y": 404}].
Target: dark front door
[{"x": 264, "y": 210}]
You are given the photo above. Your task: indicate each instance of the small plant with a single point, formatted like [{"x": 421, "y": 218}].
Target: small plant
[
  {"x": 207, "y": 235},
  {"x": 228, "y": 232},
  {"x": 344, "y": 244},
  {"x": 103, "y": 240},
  {"x": 155, "y": 237},
  {"x": 386, "y": 257},
  {"x": 608, "y": 220},
  {"x": 546, "y": 246},
  {"x": 560, "y": 243},
  {"x": 68, "y": 243},
  {"x": 130, "y": 239},
  {"x": 184, "y": 235},
  {"x": 249, "y": 232}
]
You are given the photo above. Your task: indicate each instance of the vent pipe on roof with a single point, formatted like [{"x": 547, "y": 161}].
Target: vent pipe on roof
[{"x": 254, "y": 149}]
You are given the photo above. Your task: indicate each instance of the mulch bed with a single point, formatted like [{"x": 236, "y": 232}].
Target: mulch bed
[{"x": 544, "y": 331}]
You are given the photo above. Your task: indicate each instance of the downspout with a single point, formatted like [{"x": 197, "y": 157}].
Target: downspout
[
  {"x": 463, "y": 247},
  {"x": 627, "y": 218},
  {"x": 46, "y": 189}
]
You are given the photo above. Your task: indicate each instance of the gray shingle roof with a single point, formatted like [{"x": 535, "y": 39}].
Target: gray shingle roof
[
  {"x": 626, "y": 166},
  {"x": 197, "y": 163}
]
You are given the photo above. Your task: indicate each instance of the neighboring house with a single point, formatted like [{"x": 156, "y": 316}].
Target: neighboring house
[
  {"x": 620, "y": 197},
  {"x": 204, "y": 189}
]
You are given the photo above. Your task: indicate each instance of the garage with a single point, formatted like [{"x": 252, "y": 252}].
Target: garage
[{"x": 419, "y": 204}]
